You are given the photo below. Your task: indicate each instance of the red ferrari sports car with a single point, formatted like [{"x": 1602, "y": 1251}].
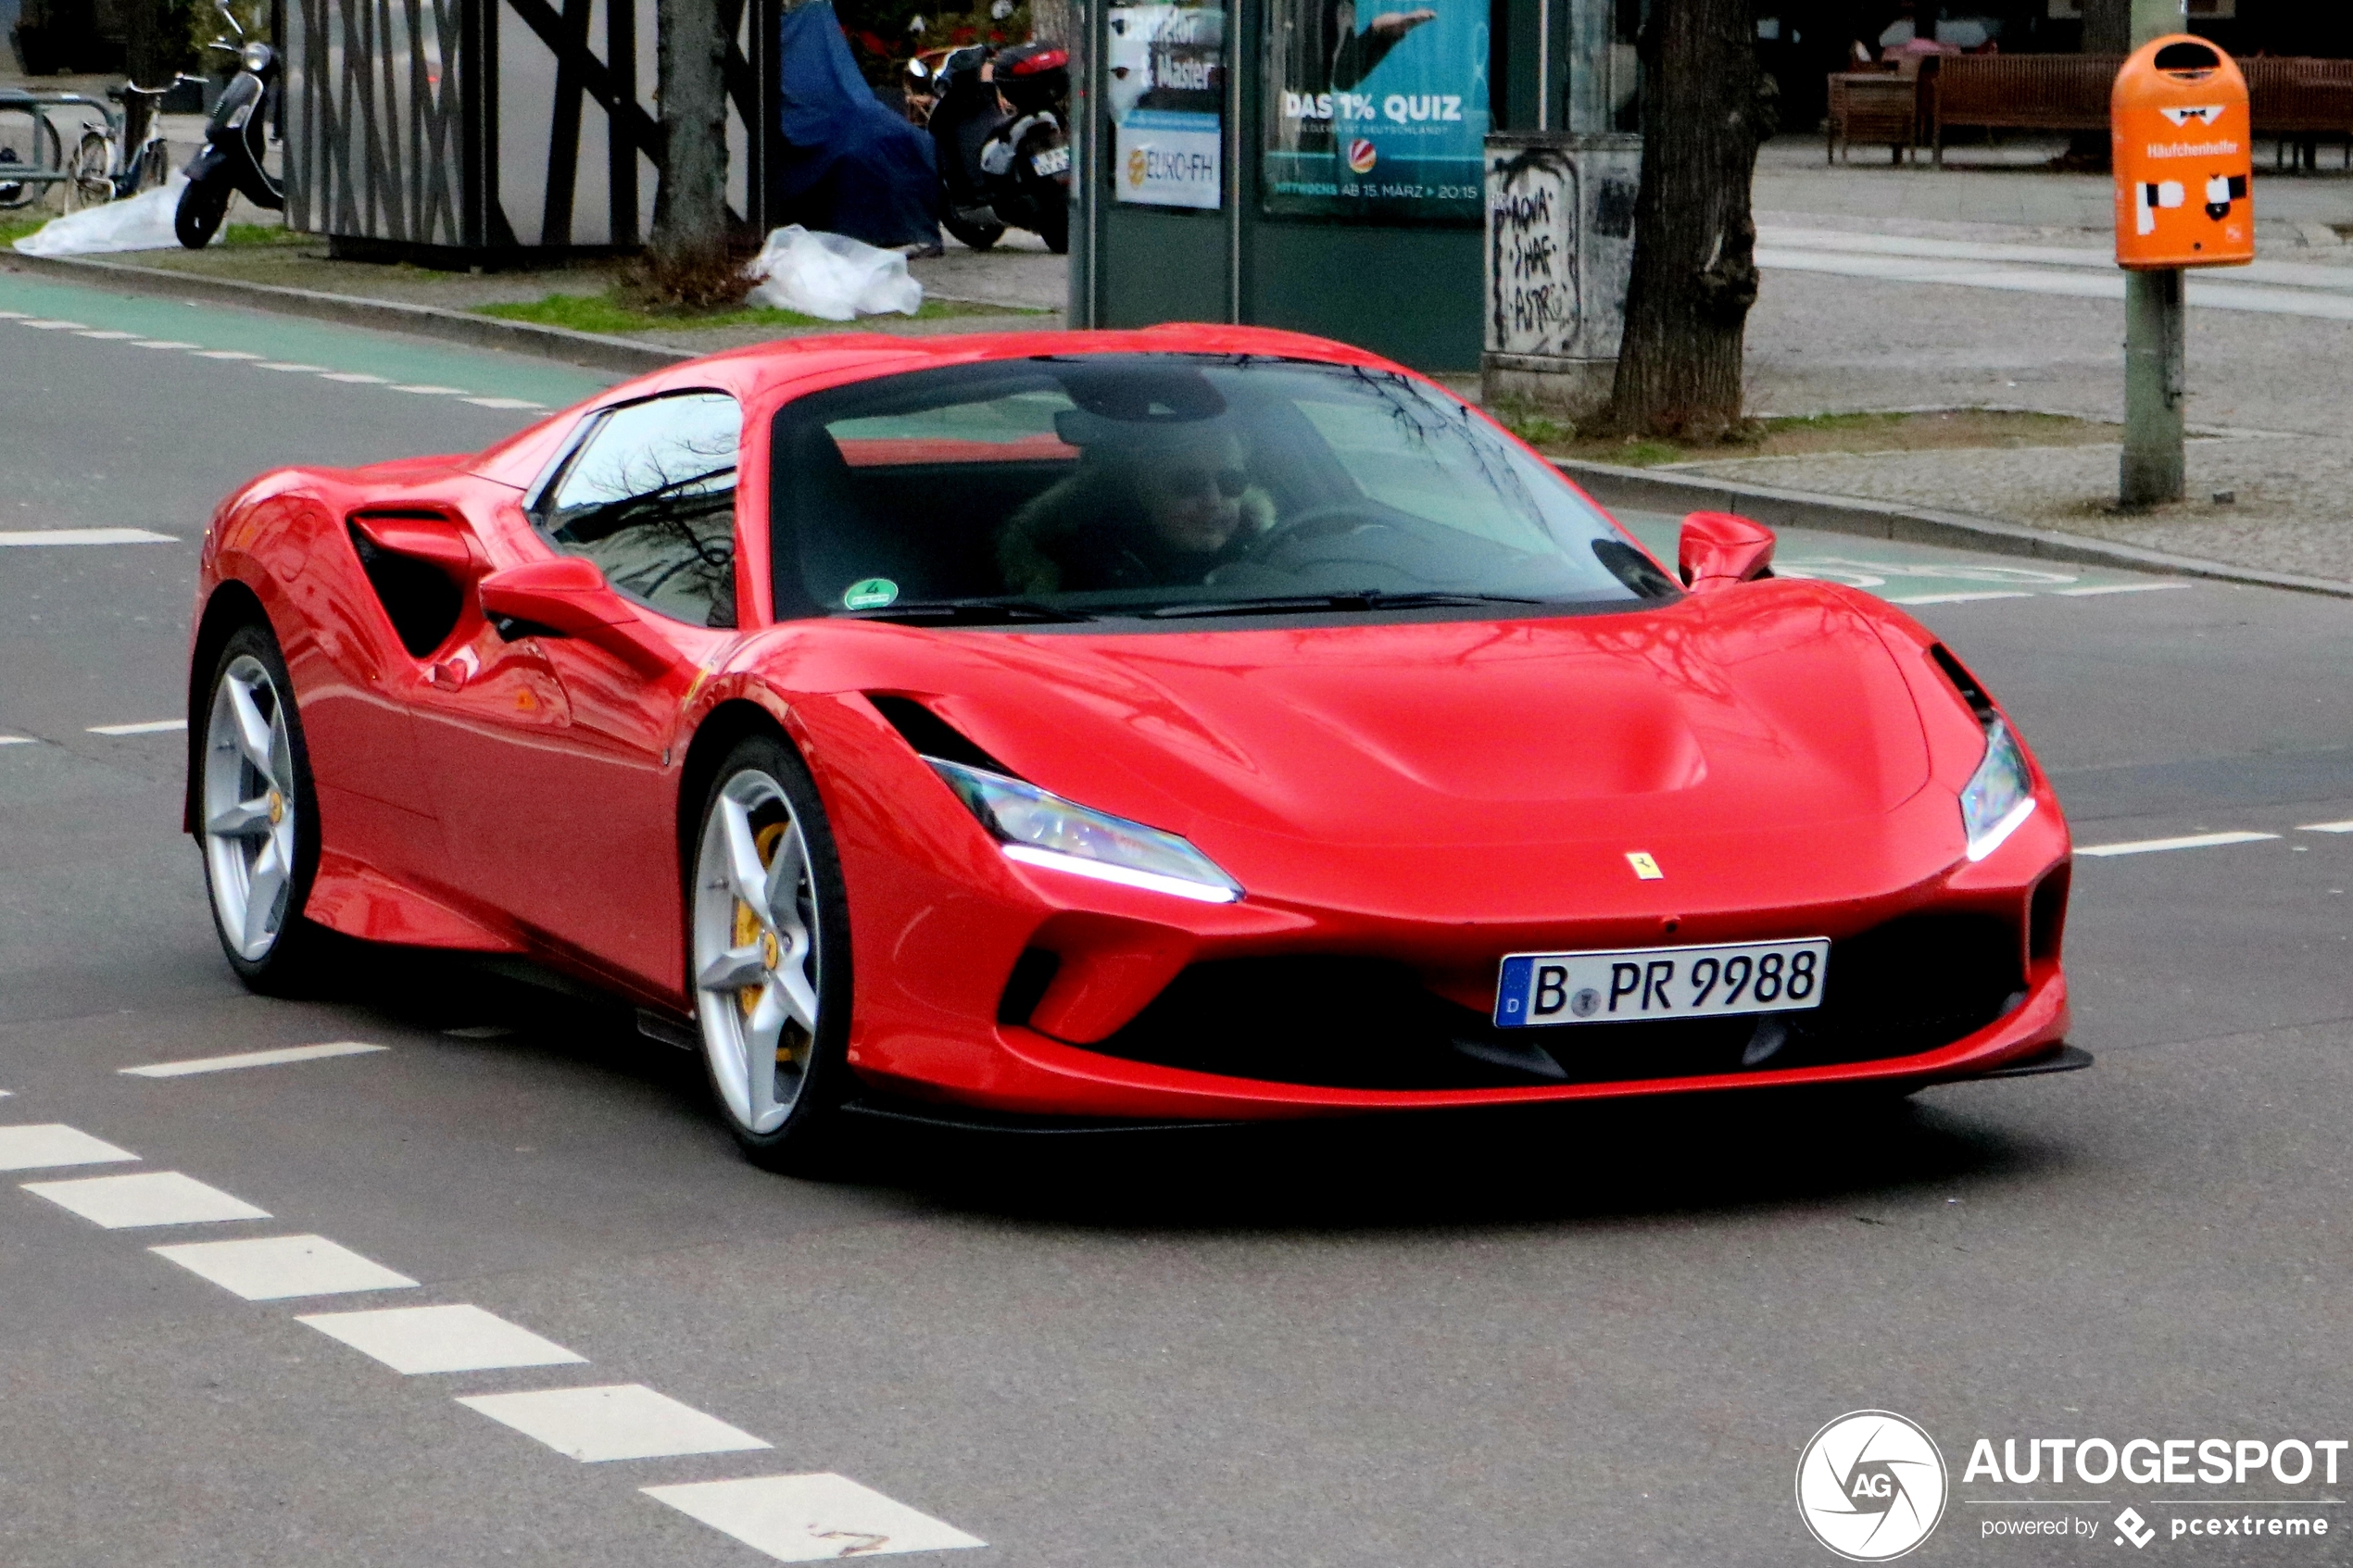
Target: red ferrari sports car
[{"x": 1197, "y": 723}]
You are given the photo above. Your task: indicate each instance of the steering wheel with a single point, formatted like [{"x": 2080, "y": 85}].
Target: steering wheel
[{"x": 1315, "y": 523}]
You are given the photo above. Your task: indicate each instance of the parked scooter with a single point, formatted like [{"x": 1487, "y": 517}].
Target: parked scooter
[
  {"x": 996, "y": 125},
  {"x": 236, "y": 142}
]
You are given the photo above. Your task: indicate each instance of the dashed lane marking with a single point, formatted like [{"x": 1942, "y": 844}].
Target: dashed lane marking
[
  {"x": 501, "y": 403},
  {"x": 224, "y": 354},
  {"x": 18, "y": 740},
  {"x": 251, "y": 1058},
  {"x": 162, "y": 342},
  {"x": 429, "y": 391},
  {"x": 811, "y": 1518},
  {"x": 38, "y": 536},
  {"x": 2155, "y": 846},
  {"x": 145, "y": 727},
  {"x": 279, "y": 365},
  {"x": 413, "y": 1340},
  {"x": 2326, "y": 827},
  {"x": 624, "y": 1421},
  {"x": 1956, "y": 598},
  {"x": 53, "y": 1143},
  {"x": 356, "y": 378},
  {"x": 106, "y": 336},
  {"x": 2116, "y": 588},
  {"x": 149, "y": 1197},
  {"x": 275, "y": 1268},
  {"x": 55, "y": 326}
]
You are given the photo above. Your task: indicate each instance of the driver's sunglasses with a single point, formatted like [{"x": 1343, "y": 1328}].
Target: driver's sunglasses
[{"x": 1229, "y": 482}]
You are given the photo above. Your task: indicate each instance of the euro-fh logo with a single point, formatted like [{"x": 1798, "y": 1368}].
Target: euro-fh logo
[{"x": 1870, "y": 1486}]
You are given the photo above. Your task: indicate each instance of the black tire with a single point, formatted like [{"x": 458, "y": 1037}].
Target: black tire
[
  {"x": 808, "y": 1141},
  {"x": 293, "y": 964},
  {"x": 202, "y": 206},
  {"x": 978, "y": 236},
  {"x": 1053, "y": 226}
]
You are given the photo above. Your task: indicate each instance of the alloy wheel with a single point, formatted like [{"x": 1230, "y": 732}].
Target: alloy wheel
[
  {"x": 249, "y": 808},
  {"x": 756, "y": 951}
]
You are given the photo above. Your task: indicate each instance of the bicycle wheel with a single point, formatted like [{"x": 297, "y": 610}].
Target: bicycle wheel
[
  {"x": 91, "y": 168},
  {"x": 15, "y": 192}
]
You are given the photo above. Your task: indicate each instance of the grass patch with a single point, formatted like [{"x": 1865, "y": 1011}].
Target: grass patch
[
  {"x": 609, "y": 313},
  {"x": 265, "y": 234},
  {"x": 13, "y": 229},
  {"x": 1831, "y": 435}
]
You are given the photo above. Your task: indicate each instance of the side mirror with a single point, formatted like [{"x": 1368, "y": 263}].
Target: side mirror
[
  {"x": 568, "y": 597},
  {"x": 1719, "y": 549}
]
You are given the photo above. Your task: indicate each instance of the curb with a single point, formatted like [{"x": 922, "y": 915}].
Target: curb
[
  {"x": 590, "y": 349},
  {"x": 1650, "y": 491}
]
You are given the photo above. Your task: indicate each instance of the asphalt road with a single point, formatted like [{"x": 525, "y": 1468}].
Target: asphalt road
[{"x": 1601, "y": 1337}]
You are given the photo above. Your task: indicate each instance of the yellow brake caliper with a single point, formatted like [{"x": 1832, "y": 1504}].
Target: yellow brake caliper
[{"x": 749, "y": 931}]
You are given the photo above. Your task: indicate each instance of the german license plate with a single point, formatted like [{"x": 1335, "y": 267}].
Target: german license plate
[
  {"x": 1052, "y": 161},
  {"x": 1540, "y": 989}
]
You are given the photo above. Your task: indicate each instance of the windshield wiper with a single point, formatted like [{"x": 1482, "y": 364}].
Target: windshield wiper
[
  {"x": 1370, "y": 599},
  {"x": 965, "y": 612}
]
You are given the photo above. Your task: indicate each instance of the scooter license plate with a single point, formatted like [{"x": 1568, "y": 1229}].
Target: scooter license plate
[{"x": 1052, "y": 161}]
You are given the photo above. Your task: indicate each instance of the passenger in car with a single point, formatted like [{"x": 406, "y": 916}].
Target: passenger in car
[{"x": 1156, "y": 509}]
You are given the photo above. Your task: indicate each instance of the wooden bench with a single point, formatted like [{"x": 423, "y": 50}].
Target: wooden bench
[
  {"x": 2300, "y": 100},
  {"x": 1878, "y": 108},
  {"x": 2020, "y": 92}
]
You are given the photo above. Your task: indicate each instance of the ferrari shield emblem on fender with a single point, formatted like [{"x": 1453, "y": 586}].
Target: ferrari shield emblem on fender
[{"x": 1644, "y": 867}]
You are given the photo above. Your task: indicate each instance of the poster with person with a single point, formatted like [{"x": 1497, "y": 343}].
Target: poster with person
[
  {"x": 1166, "y": 90},
  {"x": 1375, "y": 113}
]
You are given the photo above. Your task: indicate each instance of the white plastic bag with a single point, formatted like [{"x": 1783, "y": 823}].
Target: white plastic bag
[
  {"x": 142, "y": 223},
  {"x": 831, "y": 276}
]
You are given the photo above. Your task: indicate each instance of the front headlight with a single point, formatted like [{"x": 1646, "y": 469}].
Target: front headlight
[
  {"x": 255, "y": 57},
  {"x": 1999, "y": 795},
  {"x": 1039, "y": 829}
]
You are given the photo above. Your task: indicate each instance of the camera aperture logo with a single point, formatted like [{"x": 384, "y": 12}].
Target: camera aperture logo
[{"x": 1871, "y": 1486}]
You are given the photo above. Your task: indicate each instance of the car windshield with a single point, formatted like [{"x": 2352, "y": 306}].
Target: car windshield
[{"x": 1173, "y": 487}]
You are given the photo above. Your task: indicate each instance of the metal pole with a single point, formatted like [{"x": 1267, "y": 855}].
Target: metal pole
[{"x": 2156, "y": 377}]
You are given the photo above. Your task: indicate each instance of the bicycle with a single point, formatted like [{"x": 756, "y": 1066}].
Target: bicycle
[{"x": 97, "y": 172}]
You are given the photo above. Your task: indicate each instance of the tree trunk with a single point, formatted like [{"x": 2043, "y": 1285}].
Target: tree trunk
[
  {"x": 690, "y": 203},
  {"x": 1706, "y": 106},
  {"x": 151, "y": 60}
]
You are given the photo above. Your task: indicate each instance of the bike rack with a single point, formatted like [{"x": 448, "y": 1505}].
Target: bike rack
[{"x": 35, "y": 107}]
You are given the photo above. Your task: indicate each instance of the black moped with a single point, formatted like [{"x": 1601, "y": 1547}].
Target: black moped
[
  {"x": 235, "y": 143},
  {"x": 996, "y": 125}
]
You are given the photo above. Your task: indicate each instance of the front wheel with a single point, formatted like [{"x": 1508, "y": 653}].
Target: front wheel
[
  {"x": 202, "y": 206},
  {"x": 771, "y": 954},
  {"x": 977, "y": 236},
  {"x": 257, "y": 816}
]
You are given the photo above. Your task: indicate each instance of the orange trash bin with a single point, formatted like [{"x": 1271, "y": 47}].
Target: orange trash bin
[{"x": 2184, "y": 153}]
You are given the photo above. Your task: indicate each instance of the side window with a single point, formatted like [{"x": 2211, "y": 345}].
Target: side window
[{"x": 650, "y": 497}]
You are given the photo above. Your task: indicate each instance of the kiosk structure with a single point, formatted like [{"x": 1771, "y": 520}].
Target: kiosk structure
[{"x": 1318, "y": 165}]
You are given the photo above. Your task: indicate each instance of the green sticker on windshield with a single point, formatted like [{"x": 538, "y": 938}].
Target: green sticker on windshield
[{"x": 869, "y": 592}]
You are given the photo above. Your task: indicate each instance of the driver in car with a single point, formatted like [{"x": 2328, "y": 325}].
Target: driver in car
[{"x": 1159, "y": 507}]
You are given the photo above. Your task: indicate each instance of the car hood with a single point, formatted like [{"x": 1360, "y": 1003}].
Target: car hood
[{"x": 1776, "y": 714}]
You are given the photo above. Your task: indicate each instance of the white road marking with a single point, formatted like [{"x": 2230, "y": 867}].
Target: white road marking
[
  {"x": 37, "y": 536},
  {"x": 224, "y": 354},
  {"x": 55, "y": 326},
  {"x": 148, "y": 1198},
  {"x": 2064, "y": 281},
  {"x": 356, "y": 378},
  {"x": 2326, "y": 827},
  {"x": 624, "y": 1421},
  {"x": 162, "y": 342},
  {"x": 2119, "y": 588},
  {"x": 1955, "y": 598},
  {"x": 113, "y": 337},
  {"x": 502, "y": 402},
  {"x": 251, "y": 1058},
  {"x": 2101, "y": 260},
  {"x": 411, "y": 1340},
  {"x": 811, "y": 1518},
  {"x": 18, "y": 740},
  {"x": 145, "y": 727},
  {"x": 12, "y": 316},
  {"x": 53, "y": 1143},
  {"x": 2152, "y": 846},
  {"x": 433, "y": 391},
  {"x": 274, "y": 365},
  {"x": 273, "y": 1268}
]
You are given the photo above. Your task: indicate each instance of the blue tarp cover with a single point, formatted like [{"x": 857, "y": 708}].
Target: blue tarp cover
[{"x": 850, "y": 166}]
